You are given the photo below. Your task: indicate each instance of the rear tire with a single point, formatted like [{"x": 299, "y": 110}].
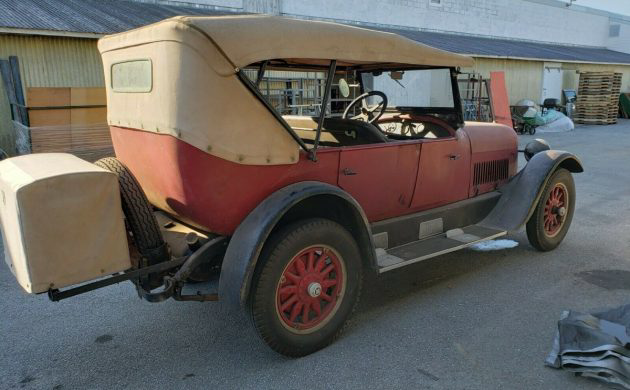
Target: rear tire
[
  {"x": 552, "y": 217},
  {"x": 306, "y": 286},
  {"x": 139, "y": 217}
]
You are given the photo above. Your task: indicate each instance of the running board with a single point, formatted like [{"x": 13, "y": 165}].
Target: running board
[{"x": 437, "y": 245}]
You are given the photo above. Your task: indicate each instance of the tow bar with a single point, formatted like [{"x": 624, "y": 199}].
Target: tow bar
[{"x": 172, "y": 284}]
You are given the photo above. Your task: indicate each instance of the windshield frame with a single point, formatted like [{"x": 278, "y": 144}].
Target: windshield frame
[{"x": 453, "y": 115}]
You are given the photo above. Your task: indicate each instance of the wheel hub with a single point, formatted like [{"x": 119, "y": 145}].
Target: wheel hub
[
  {"x": 555, "y": 209},
  {"x": 310, "y": 288},
  {"x": 314, "y": 289}
]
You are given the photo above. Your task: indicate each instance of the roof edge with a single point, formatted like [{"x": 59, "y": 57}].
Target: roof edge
[
  {"x": 54, "y": 33},
  {"x": 548, "y": 60}
]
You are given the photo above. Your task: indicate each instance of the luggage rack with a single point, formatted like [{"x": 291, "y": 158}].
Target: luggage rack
[{"x": 172, "y": 284}]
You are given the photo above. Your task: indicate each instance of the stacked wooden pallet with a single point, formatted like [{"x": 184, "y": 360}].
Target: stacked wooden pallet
[
  {"x": 70, "y": 120},
  {"x": 598, "y": 98}
]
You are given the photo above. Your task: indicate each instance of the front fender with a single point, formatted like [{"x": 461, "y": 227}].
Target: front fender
[
  {"x": 521, "y": 194},
  {"x": 249, "y": 238}
]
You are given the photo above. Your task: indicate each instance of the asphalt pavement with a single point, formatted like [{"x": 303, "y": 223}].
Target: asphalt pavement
[{"x": 466, "y": 320}]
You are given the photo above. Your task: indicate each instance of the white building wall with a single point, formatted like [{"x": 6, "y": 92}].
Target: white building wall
[
  {"x": 536, "y": 20},
  {"x": 521, "y": 19},
  {"x": 621, "y": 42}
]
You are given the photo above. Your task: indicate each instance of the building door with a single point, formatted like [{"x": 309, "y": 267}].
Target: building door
[{"x": 552, "y": 82}]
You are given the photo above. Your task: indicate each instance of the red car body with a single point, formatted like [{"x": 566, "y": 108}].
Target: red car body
[{"x": 216, "y": 195}]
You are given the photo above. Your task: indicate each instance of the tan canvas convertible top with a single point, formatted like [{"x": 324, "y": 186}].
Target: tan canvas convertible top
[
  {"x": 252, "y": 38},
  {"x": 178, "y": 76}
]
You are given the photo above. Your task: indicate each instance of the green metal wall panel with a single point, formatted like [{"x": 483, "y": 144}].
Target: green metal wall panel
[{"x": 48, "y": 62}]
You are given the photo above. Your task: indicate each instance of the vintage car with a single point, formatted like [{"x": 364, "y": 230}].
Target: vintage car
[{"x": 288, "y": 211}]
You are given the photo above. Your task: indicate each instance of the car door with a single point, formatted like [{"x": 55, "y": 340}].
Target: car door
[
  {"x": 444, "y": 173},
  {"x": 380, "y": 177}
]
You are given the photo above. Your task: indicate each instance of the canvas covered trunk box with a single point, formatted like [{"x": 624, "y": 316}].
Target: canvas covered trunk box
[{"x": 62, "y": 221}]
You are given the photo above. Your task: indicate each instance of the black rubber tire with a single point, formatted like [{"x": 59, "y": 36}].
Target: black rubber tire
[
  {"x": 535, "y": 226},
  {"x": 281, "y": 248},
  {"x": 139, "y": 216}
]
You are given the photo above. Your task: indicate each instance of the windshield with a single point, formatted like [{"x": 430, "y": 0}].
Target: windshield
[{"x": 412, "y": 88}]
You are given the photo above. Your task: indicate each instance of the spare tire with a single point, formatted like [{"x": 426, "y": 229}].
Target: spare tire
[{"x": 140, "y": 220}]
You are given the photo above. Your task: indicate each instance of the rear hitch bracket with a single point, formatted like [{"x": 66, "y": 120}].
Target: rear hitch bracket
[{"x": 172, "y": 284}]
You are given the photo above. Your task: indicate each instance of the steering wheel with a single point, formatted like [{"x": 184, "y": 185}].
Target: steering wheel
[{"x": 367, "y": 114}]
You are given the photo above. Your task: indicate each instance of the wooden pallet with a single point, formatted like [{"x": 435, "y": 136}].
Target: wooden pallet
[
  {"x": 595, "y": 121},
  {"x": 598, "y": 98},
  {"x": 70, "y": 120}
]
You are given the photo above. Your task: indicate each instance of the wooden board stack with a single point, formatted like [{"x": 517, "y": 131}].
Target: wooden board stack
[
  {"x": 598, "y": 98},
  {"x": 69, "y": 120}
]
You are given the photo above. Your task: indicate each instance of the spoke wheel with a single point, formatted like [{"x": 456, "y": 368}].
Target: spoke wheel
[
  {"x": 310, "y": 289},
  {"x": 552, "y": 216},
  {"x": 555, "y": 209},
  {"x": 306, "y": 285}
]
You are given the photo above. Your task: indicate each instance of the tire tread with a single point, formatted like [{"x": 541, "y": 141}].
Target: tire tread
[
  {"x": 535, "y": 233},
  {"x": 281, "y": 241},
  {"x": 136, "y": 206}
]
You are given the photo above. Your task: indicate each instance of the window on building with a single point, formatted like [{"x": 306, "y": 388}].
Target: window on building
[
  {"x": 614, "y": 30},
  {"x": 435, "y": 3}
]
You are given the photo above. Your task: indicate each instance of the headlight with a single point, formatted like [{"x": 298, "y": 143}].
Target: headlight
[{"x": 536, "y": 146}]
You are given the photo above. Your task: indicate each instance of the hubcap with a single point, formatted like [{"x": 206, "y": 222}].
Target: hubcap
[
  {"x": 314, "y": 289},
  {"x": 310, "y": 289},
  {"x": 555, "y": 210}
]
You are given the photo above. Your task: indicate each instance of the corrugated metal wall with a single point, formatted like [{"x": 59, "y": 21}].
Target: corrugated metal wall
[
  {"x": 48, "y": 62},
  {"x": 524, "y": 78}
]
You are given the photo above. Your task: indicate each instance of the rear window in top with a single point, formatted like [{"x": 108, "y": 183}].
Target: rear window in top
[{"x": 132, "y": 76}]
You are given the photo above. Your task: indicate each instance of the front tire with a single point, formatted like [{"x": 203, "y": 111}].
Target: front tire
[
  {"x": 306, "y": 286},
  {"x": 552, "y": 217}
]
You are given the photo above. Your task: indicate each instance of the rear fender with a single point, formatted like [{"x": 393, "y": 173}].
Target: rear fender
[
  {"x": 521, "y": 194},
  {"x": 249, "y": 238}
]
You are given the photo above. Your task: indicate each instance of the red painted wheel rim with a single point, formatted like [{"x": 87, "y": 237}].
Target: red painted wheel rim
[
  {"x": 556, "y": 207},
  {"x": 303, "y": 308}
]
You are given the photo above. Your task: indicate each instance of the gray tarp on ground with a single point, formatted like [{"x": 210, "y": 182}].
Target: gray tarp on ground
[{"x": 594, "y": 345}]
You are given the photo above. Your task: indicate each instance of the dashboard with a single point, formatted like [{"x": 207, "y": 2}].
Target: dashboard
[{"x": 402, "y": 127}]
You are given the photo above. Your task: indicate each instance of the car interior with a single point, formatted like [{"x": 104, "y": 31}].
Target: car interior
[
  {"x": 373, "y": 117},
  {"x": 337, "y": 132}
]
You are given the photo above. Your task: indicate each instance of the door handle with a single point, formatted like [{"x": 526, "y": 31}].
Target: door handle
[
  {"x": 454, "y": 156},
  {"x": 348, "y": 172}
]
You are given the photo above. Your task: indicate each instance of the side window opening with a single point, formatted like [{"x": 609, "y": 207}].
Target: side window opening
[
  {"x": 300, "y": 93},
  {"x": 297, "y": 95},
  {"x": 134, "y": 76}
]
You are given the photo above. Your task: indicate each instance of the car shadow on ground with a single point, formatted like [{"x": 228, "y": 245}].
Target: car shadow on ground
[
  {"x": 194, "y": 334},
  {"x": 407, "y": 282}
]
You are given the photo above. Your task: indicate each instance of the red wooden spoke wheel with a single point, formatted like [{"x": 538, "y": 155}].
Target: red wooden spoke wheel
[
  {"x": 310, "y": 289},
  {"x": 555, "y": 209},
  {"x": 551, "y": 219},
  {"x": 306, "y": 287}
]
